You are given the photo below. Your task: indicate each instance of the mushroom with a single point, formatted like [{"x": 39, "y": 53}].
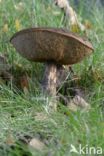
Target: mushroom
[{"x": 53, "y": 46}]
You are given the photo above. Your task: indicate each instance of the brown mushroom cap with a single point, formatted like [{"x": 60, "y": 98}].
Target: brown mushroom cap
[{"x": 51, "y": 44}]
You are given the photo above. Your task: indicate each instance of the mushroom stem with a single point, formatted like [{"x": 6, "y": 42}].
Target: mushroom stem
[
  {"x": 50, "y": 78},
  {"x": 54, "y": 78},
  {"x": 49, "y": 83}
]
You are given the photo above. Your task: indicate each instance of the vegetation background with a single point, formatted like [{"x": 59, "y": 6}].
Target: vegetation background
[{"x": 24, "y": 115}]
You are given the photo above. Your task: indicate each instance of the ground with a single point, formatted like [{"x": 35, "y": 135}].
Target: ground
[{"x": 24, "y": 115}]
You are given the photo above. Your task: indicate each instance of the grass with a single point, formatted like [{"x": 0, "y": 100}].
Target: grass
[{"x": 18, "y": 111}]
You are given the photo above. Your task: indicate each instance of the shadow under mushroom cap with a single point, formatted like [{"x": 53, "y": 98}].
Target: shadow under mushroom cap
[{"x": 51, "y": 44}]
